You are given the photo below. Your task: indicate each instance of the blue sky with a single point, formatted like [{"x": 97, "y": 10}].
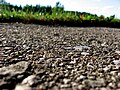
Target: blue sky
[{"x": 104, "y": 7}]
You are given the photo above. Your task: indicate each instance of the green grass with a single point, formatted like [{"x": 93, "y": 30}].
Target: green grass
[{"x": 55, "y": 16}]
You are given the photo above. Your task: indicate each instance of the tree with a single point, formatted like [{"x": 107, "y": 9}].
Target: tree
[
  {"x": 58, "y": 8},
  {"x": 3, "y": 4},
  {"x": 2, "y": 1}
]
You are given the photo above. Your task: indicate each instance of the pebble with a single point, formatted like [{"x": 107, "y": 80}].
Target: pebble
[
  {"x": 81, "y": 48},
  {"x": 114, "y": 73},
  {"x": 66, "y": 81},
  {"x": 94, "y": 83},
  {"x": 2, "y": 39},
  {"x": 103, "y": 88},
  {"x": 51, "y": 84},
  {"x": 65, "y": 86},
  {"x": 69, "y": 67},
  {"x": 73, "y": 62},
  {"x": 106, "y": 69},
  {"x": 118, "y": 52},
  {"x": 41, "y": 87},
  {"x": 22, "y": 87},
  {"x": 104, "y": 44},
  {"x": 7, "y": 48},
  {"x": 116, "y": 62},
  {"x": 84, "y": 53},
  {"x": 69, "y": 48},
  {"x": 52, "y": 74},
  {"x": 82, "y": 87},
  {"x": 81, "y": 77},
  {"x": 54, "y": 88},
  {"x": 118, "y": 85},
  {"x": 111, "y": 85},
  {"x": 31, "y": 80}
]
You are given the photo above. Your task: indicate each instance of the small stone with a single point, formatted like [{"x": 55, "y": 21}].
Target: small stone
[
  {"x": 41, "y": 87},
  {"x": 111, "y": 85},
  {"x": 31, "y": 80},
  {"x": 118, "y": 84},
  {"x": 8, "y": 48},
  {"x": 103, "y": 88},
  {"x": 115, "y": 43},
  {"x": 94, "y": 83},
  {"x": 54, "y": 88},
  {"x": 52, "y": 74},
  {"x": 113, "y": 79},
  {"x": 3, "y": 39},
  {"x": 24, "y": 46},
  {"x": 81, "y": 48},
  {"x": 73, "y": 62},
  {"x": 61, "y": 64},
  {"x": 113, "y": 73},
  {"x": 74, "y": 84},
  {"x": 92, "y": 77},
  {"x": 4, "y": 42},
  {"x": 65, "y": 86},
  {"x": 66, "y": 81},
  {"x": 82, "y": 87},
  {"x": 116, "y": 62},
  {"x": 81, "y": 77},
  {"x": 90, "y": 66},
  {"x": 20, "y": 77},
  {"x": 84, "y": 53},
  {"x": 118, "y": 52},
  {"x": 69, "y": 67},
  {"x": 68, "y": 48},
  {"x": 78, "y": 48},
  {"x": 119, "y": 74},
  {"x": 51, "y": 84},
  {"x": 106, "y": 69},
  {"x": 71, "y": 53},
  {"x": 104, "y": 44},
  {"x": 22, "y": 87}
]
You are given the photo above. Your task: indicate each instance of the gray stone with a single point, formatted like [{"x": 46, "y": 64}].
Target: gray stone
[
  {"x": 82, "y": 87},
  {"x": 8, "y": 48},
  {"x": 106, "y": 68},
  {"x": 118, "y": 52},
  {"x": 94, "y": 83},
  {"x": 68, "y": 48},
  {"x": 85, "y": 53},
  {"x": 22, "y": 87},
  {"x": 116, "y": 62},
  {"x": 14, "y": 69},
  {"x": 81, "y": 48},
  {"x": 65, "y": 86},
  {"x": 31, "y": 80},
  {"x": 81, "y": 77},
  {"x": 66, "y": 81}
]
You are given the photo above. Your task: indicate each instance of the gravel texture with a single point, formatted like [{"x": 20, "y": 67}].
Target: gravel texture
[{"x": 59, "y": 58}]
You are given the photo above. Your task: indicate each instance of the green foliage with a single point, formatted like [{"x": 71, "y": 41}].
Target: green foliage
[{"x": 53, "y": 16}]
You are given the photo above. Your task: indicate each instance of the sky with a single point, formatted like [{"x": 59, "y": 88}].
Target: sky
[{"x": 99, "y": 7}]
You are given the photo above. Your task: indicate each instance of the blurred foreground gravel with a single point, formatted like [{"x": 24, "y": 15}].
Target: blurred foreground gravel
[{"x": 35, "y": 57}]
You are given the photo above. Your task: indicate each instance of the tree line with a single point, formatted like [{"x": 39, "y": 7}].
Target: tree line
[{"x": 52, "y": 15}]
